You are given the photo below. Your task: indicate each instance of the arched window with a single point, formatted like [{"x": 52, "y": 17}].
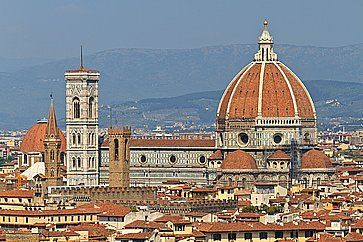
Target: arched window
[
  {"x": 93, "y": 162},
  {"x": 76, "y": 108},
  {"x": 244, "y": 182},
  {"x": 230, "y": 181},
  {"x": 116, "y": 146},
  {"x": 52, "y": 155},
  {"x": 125, "y": 149},
  {"x": 74, "y": 139},
  {"x": 25, "y": 162},
  {"x": 89, "y": 162},
  {"x": 62, "y": 157},
  {"x": 74, "y": 162},
  {"x": 79, "y": 139},
  {"x": 52, "y": 172},
  {"x": 79, "y": 162},
  {"x": 91, "y": 107}
]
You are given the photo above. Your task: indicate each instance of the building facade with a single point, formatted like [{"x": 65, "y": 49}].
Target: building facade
[{"x": 82, "y": 126}]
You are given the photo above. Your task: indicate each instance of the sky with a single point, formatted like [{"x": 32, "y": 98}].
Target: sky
[{"x": 55, "y": 29}]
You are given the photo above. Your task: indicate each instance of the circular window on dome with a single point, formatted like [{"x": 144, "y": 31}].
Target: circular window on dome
[
  {"x": 277, "y": 138},
  {"x": 143, "y": 159},
  {"x": 172, "y": 159},
  {"x": 202, "y": 159},
  {"x": 243, "y": 138}
]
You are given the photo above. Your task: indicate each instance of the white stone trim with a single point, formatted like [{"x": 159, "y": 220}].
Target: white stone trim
[
  {"x": 296, "y": 111},
  {"x": 237, "y": 84},
  {"x": 228, "y": 87},
  {"x": 302, "y": 84},
  {"x": 260, "y": 89}
]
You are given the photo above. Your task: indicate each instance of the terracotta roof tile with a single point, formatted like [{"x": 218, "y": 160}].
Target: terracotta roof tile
[
  {"x": 315, "y": 159},
  {"x": 238, "y": 160},
  {"x": 33, "y": 140},
  {"x": 279, "y": 155},
  {"x": 240, "y": 99}
]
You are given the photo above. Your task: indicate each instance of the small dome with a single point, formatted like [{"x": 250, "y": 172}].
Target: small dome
[
  {"x": 279, "y": 155},
  {"x": 34, "y": 138},
  {"x": 238, "y": 160},
  {"x": 217, "y": 155},
  {"x": 315, "y": 159}
]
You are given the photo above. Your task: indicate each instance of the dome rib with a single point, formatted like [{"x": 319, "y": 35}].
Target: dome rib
[
  {"x": 290, "y": 89},
  {"x": 306, "y": 106},
  {"x": 235, "y": 87},
  {"x": 266, "y": 90},
  {"x": 260, "y": 90},
  {"x": 222, "y": 109}
]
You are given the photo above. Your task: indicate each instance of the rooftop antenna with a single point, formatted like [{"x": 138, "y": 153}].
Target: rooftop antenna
[{"x": 81, "y": 56}]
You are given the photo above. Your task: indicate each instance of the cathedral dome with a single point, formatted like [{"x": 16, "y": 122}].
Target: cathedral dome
[
  {"x": 239, "y": 160},
  {"x": 315, "y": 159},
  {"x": 266, "y": 88},
  {"x": 279, "y": 155},
  {"x": 34, "y": 138}
]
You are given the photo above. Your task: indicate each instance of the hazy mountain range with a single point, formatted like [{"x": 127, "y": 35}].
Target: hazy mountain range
[{"x": 135, "y": 74}]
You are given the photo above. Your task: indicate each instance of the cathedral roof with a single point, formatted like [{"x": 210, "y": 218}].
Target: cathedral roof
[
  {"x": 279, "y": 155},
  {"x": 33, "y": 140},
  {"x": 239, "y": 160},
  {"x": 315, "y": 159},
  {"x": 208, "y": 143},
  {"x": 217, "y": 155},
  {"x": 266, "y": 88}
]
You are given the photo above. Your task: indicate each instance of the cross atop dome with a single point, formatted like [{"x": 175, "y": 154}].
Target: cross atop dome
[{"x": 265, "y": 42}]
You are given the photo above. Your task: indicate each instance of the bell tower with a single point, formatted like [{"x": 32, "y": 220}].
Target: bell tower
[
  {"x": 82, "y": 125},
  {"x": 119, "y": 142},
  {"x": 52, "y": 147}
]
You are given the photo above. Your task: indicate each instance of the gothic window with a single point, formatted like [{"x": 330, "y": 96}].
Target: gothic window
[
  {"x": 74, "y": 139},
  {"x": 62, "y": 157},
  {"x": 76, "y": 108},
  {"x": 74, "y": 162},
  {"x": 244, "y": 181},
  {"x": 79, "y": 139},
  {"x": 52, "y": 172},
  {"x": 25, "y": 162},
  {"x": 52, "y": 155},
  {"x": 79, "y": 162},
  {"x": 89, "y": 162},
  {"x": 125, "y": 149},
  {"x": 91, "y": 107},
  {"x": 93, "y": 162},
  {"x": 116, "y": 146}
]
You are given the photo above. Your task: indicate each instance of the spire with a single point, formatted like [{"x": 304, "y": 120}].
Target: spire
[
  {"x": 81, "y": 57},
  {"x": 52, "y": 128},
  {"x": 265, "y": 42}
]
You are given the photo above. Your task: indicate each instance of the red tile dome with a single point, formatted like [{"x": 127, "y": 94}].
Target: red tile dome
[
  {"x": 268, "y": 90},
  {"x": 34, "y": 138},
  {"x": 239, "y": 160},
  {"x": 314, "y": 159},
  {"x": 265, "y": 88},
  {"x": 279, "y": 155}
]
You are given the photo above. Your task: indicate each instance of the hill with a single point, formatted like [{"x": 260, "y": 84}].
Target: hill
[
  {"x": 134, "y": 74},
  {"x": 333, "y": 100}
]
